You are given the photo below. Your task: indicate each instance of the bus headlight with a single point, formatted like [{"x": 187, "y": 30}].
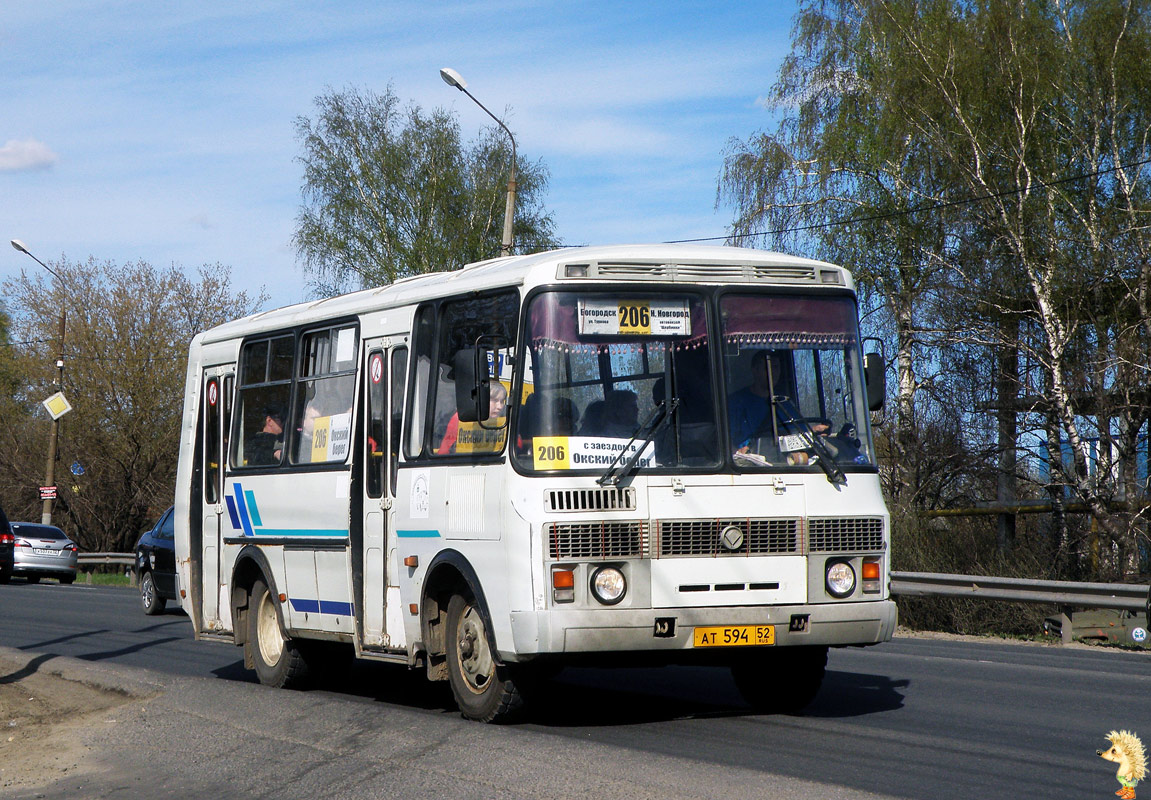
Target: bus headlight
[
  {"x": 608, "y": 585},
  {"x": 840, "y": 579}
]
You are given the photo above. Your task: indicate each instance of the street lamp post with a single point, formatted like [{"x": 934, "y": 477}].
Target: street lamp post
[
  {"x": 453, "y": 78},
  {"x": 54, "y": 433}
]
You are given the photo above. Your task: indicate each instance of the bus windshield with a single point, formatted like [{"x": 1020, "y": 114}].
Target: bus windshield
[
  {"x": 615, "y": 378},
  {"x": 792, "y": 370},
  {"x": 601, "y": 373}
]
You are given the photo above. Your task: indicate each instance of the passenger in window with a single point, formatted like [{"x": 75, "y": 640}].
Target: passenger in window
[
  {"x": 592, "y": 418},
  {"x": 620, "y": 415},
  {"x": 564, "y": 417},
  {"x": 497, "y": 403},
  {"x": 267, "y": 445}
]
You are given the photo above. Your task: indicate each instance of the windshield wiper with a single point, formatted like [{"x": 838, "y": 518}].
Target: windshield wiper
[
  {"x": 824, "y": 456},
  {"x": 665, "y": 410}
]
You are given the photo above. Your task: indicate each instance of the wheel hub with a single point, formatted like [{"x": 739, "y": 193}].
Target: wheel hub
[
  {"x": 475, "y": 658},
  {"x": 271, "y": 642}
]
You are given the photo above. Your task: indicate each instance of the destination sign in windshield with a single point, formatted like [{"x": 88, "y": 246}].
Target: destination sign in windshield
[{"x": 628, "y": 317}]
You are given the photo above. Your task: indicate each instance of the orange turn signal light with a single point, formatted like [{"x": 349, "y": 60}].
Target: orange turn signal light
[
  {"x": 563, "y": 579},
  {"x": 871, "y": 570}
]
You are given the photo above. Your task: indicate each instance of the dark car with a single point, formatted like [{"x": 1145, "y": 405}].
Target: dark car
[
  {"x": 43, "y": 551},
  {"x": 7, "y": 549},
  {"x": 155, "y": 565}
]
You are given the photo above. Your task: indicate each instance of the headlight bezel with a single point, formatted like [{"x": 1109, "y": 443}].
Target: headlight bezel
[
  {"x": 835, "y": 572},
  {"x": 608, "y": 571}
]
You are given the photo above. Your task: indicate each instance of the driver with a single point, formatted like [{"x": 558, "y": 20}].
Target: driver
[{"x": 749, "y": 408}]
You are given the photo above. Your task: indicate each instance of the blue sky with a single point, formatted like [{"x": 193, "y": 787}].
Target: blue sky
[{"x": 164, "y": 131}]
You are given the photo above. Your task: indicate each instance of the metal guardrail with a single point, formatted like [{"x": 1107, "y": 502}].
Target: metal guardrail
[
  {"x": 1122, "y": 596},
  {"x": 127, "y": 559}
]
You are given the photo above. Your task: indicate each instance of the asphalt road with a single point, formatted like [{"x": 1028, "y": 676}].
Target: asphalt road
[{"x": 911, "y": 718}]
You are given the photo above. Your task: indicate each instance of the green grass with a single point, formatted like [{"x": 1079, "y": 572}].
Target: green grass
[{"x": 104, "y": 578}]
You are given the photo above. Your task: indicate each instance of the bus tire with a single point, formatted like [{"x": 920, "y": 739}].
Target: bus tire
[
  {"x": 278, "y": 660},
  {"x": 781, "y": 681},
  {"x": 149, "y": 597},
  {"x": 484, "y": 690}
]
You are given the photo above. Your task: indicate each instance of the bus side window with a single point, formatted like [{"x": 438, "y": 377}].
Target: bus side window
[
  {"x": 423, "y": 343},
  {"x": 265, "y": 385},
  {"x": 377, "y": 438},
  {"x": 212, "y": 441},
  {"x": 463, "y": 324},
  {"x": 325, "y": 387},
  {"x": 398, "y": 374}
]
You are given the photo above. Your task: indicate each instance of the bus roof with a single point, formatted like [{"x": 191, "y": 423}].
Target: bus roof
[{"x": 651, "y": 263}]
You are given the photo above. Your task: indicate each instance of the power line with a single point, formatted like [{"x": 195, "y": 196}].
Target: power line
[
  {"x": 918, "y": 209},
  {"x": 29, "y": 342}
]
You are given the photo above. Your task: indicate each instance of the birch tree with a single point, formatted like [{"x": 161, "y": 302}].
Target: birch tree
[
  {"x": 1011, "y": 137},
  {"x": 391, "y": 191}
]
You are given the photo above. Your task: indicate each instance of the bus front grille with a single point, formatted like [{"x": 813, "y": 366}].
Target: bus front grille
[
  {"x": 845, "y": 534},
  {"x": 706, "y": 537},
  {"x": 596, "y": 540},
  {"x": 611, "y": 498}
]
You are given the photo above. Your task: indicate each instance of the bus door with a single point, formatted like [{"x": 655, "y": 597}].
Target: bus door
[
  {"x": 380, "y": 623},
  {"x": 217, "y": 414}
]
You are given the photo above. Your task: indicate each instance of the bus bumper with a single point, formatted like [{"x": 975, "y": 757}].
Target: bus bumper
[{"x": 562, "y": 631}]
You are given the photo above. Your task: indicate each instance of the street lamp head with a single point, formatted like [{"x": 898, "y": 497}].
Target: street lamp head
[
  {"x": 19, "y": 245},
  {"x": 453, "y": 78}
]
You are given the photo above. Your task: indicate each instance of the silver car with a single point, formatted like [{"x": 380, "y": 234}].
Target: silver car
[{"x": 43, "y": 551}]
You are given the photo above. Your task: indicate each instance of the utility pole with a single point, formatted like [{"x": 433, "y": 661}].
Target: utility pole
[
  {"x": 48, "y": 490},
  {"x": 54, "y": 434}
]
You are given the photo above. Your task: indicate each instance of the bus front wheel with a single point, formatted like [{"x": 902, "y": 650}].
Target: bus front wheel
[
  {"x": 483, "y": 689},
  {"x": 278, "y": 660}
]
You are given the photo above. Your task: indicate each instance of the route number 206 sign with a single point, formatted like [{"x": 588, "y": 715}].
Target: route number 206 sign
[{"x": 631, "y": 317}]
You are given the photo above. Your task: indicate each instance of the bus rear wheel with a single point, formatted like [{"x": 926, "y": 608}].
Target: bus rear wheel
[
  {"x": 278, "y": 659},
  {"x": 483, "y": 689},
  {"x": 781, "y": 681}
]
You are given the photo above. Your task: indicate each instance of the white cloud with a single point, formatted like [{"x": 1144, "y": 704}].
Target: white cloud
[
  {"x": 25, "y": 154},
  {"x": 201, "y": 221}
]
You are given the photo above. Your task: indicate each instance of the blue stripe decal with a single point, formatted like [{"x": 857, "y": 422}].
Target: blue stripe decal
[
  {"x": 232, "y": 512},
  {"x": 332, "y": 607},
  {"x": 243, "y": 509},
  {"x": 418, "y": 534},
  {"x": 251, "y": 498},
  {"x": 245, "y": 516}
]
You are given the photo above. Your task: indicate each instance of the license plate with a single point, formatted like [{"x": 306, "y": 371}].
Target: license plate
[
  {"x": 734, "y": 636},
  {"x": 44, "y": 551}
]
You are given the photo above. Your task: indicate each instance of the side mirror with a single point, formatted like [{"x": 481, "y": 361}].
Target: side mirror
[
  {"x": 875, "y": 376},
  {"x": 473, "y": 386}
]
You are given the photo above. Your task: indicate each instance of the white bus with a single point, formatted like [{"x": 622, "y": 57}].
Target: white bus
[{"x": 614, "y": 455}]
